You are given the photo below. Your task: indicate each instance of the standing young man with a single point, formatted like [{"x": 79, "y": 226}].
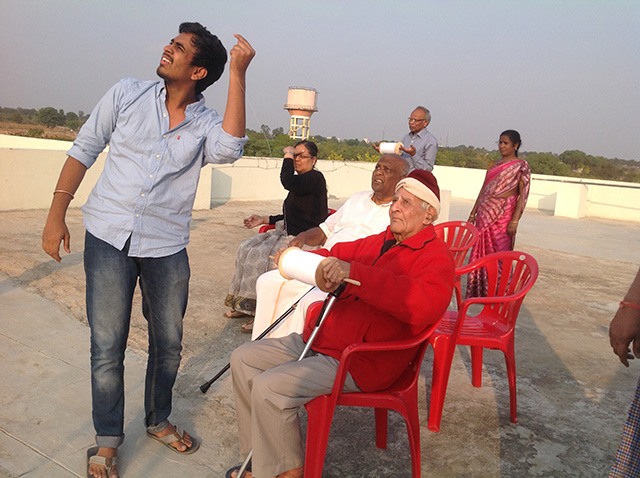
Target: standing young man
[{"x": 137, "y": 218}]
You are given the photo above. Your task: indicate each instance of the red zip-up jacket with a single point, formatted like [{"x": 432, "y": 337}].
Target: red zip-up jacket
[{"x": 403, "y": 290}]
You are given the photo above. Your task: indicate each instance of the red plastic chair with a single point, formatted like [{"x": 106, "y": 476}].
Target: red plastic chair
[
  {"x": 402, "y": 397},
  {"x": 460, "y": 236},
  {"x": 268, "y": 227},
  {"x": 511, "y": 275}
]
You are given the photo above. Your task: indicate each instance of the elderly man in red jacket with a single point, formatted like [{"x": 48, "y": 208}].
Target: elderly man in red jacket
[{"x": 406, "y": 275}]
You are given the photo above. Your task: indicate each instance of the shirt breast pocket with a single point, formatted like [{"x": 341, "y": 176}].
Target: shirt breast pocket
[{"x": 183, "y": 150}]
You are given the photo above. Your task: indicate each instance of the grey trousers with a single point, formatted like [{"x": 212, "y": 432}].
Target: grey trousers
[{"x": 269, "y": 387}]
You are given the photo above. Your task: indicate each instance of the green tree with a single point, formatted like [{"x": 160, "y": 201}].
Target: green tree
[
  {"x": 574, "y": 158},
  {"x": 16, "y": 117},
  {"x": 49, "y": 117},
  {"x": 547, "y": 163}
]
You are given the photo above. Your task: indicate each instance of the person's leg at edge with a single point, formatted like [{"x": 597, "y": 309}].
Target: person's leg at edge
[
  {"x": 165, "y": 289},
  {"x": 110, "y": 281},
  {"x": 267, "y": 402}
]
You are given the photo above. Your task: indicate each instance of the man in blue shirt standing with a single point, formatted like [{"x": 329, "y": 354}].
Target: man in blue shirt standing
[
  {"x": 419, "y": 146},
  {"x": 137, "y": 218}
]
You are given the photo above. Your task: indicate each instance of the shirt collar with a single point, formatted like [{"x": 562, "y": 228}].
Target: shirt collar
[
  {"x": 376, "y": 204},
  {"x": 421, "y": 134},
  {"x": 417, "y": 241},
  {"x": 192, "y": 109}
]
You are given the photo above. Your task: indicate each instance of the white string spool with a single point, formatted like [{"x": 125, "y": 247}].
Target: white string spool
[
  {"x": 300, "y": 265},
  {"x": 297, "y": 264},
  {"x": 390, "y": 148}
]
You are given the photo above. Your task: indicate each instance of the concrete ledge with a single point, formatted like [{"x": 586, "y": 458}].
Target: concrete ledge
[
  {"x": 571, "y": 200},
  {"x": 28, "y": 177}
]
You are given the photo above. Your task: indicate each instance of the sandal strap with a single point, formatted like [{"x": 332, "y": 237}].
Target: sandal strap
[
  {"x": 178, "y": 435},
  {"x": 107, "y": 462}
]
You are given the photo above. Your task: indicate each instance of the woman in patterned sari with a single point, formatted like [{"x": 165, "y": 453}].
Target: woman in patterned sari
[
  {"x": 499, "y": 207},
  {"x": 304, "y": 208}
]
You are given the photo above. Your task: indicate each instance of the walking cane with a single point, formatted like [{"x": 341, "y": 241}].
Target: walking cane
[
  {"x": 326, "y": 307},
  {"x": 205, "y": 386}
]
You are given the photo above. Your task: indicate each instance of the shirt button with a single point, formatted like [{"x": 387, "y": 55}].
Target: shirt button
[
  {"x": 164, "y": 136},
  {"x": 142, "y": 195},
  {"x": 151, "y": 176},
  {"x": 164, "y": 114},
  {"x": 137, "y": 215},
  {"x": 157, "y": 155}
]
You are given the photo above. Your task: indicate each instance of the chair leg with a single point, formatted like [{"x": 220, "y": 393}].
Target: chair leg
[
  {"x": 381, "y": 417},
  {"x": 412, "y": 420},
  {"x": 320, "y": 414},
  {"x": 510, "y": 360},
  {"x": 458, "y": 291},
  {"x": 443, "y": 350},
  {"x": 476, "y": 365}
]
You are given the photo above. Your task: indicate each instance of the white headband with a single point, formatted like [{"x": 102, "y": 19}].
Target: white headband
[{"x": 421, "y": 191}]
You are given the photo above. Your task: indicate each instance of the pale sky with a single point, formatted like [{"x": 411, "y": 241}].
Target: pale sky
[{"x": 565, "y": 73}]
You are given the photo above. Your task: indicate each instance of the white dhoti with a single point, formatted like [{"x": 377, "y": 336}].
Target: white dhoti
[
  {"x": 282, "y": 293},
  {"x": 359, "y": 217}
]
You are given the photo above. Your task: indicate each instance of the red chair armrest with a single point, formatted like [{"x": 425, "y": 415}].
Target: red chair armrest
[{"x": 266, "y": 228}]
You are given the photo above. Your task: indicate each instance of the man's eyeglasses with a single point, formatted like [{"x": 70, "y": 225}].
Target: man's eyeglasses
[{"x": 416, "y": 120}]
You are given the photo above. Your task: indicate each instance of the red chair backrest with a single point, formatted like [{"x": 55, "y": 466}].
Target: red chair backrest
[
  {"x": 510, "y": 276},
  {"x": 460, "y": 236}
]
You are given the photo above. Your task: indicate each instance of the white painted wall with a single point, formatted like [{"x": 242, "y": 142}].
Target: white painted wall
[{"x": 28, "y": 175}]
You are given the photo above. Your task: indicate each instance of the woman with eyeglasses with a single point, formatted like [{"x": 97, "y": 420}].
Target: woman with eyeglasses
[
  {"x": 499, "y": 207},
  {"x": 305, "y": 207}
]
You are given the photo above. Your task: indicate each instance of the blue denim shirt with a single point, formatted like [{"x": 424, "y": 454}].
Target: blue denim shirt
[
  {"x": 426, "y": 146},
  {"x": 151, "y": 172}
]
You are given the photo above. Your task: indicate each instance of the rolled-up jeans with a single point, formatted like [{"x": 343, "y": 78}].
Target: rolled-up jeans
[{"x": 111, "y": 277}]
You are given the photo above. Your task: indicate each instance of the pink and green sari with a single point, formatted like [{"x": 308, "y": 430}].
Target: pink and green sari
[{"x": 493, "y": 215}]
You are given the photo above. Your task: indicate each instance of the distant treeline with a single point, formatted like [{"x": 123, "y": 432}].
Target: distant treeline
[
  {"x": 269, "y": 143},
  {"x": 574, "y": 163},
  {"x": 48, "y": 116}
]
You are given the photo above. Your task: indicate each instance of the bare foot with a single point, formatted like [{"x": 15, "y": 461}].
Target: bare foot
[
  {"x": 247, "y": 474},
  {"x": 235, "y": 314},
  {"x": 247, "y": 327},
  {"x": 100, "y": 471},
  {"x": 295, "y": 473},
  {"x": 176, "y": 444}
]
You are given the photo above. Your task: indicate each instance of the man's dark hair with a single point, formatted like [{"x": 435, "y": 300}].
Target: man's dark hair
[{"x": 210, "y": 53}]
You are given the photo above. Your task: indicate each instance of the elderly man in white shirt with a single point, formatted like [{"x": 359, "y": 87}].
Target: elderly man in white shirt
[{"x": 363, "y": 214}]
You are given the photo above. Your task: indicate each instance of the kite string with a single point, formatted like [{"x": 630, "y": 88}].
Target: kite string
[{"x": 232, "y": 77}]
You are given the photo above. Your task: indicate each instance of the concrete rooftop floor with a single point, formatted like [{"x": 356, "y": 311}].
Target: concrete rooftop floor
[{"x": 573, "y": 393}]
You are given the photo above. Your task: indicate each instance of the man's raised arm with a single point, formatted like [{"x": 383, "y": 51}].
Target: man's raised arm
[{"x": 234, "y": 122}]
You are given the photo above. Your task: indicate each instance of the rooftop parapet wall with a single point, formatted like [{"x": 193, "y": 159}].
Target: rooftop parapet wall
[{"x": 28, "y": 178}]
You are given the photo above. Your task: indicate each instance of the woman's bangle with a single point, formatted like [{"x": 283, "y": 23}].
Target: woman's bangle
[
  {"x": 624, "y": 303},
  {"x": 64, "y": 192}
]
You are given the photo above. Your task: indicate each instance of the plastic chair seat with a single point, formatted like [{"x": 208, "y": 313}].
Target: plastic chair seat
[{"x": 482, "y": 328}]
